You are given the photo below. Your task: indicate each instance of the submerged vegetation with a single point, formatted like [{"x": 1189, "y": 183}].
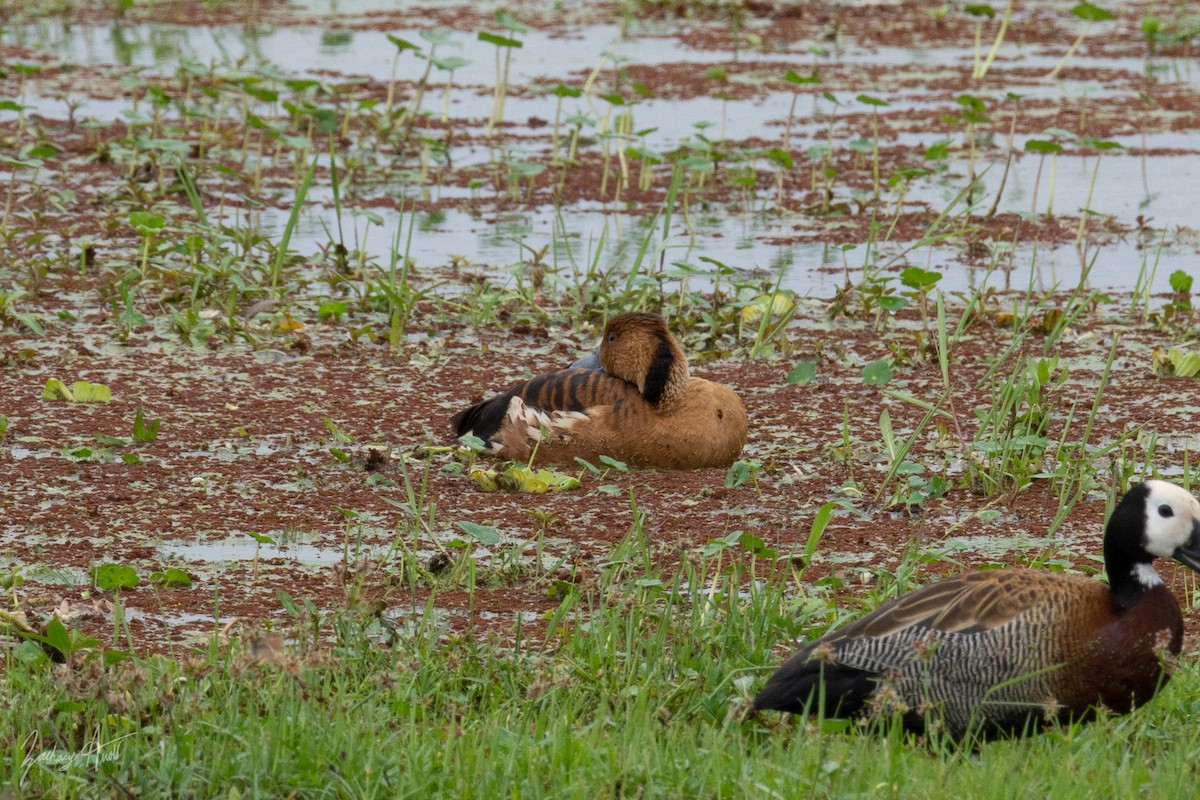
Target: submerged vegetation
[{"x": 248, "y": 272}]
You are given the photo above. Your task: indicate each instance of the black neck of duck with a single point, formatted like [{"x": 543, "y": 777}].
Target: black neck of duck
[
  {"x": 667, "y": 374},
  {"x": 1128, "y": 587},
  {"x": 1130, "y": 569}
]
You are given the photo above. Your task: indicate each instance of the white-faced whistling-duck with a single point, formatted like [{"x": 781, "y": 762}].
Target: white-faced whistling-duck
[{"x": 1007, "y": 651}]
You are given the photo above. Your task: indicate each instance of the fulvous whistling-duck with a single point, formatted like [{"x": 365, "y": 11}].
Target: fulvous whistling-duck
[
  {"x": 642, "y": 407},
  {"x": 1005, "y": 651}
]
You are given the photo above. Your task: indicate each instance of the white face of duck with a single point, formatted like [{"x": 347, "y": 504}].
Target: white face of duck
[{"x": 1172, "y": 526}]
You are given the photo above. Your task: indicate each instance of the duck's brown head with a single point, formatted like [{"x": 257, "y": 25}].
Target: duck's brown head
[{"x": 638, "y": 347}]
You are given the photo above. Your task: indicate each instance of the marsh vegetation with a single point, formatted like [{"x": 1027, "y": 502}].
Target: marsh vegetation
[{"x": 255, "y": 256}]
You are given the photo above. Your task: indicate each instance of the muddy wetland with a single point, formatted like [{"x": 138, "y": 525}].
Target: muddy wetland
[{"x": 256, "y": 255}]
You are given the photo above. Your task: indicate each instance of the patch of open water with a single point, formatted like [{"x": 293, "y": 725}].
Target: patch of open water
[
  {"x": 1158, "y": 188},
  {"x": 759, "y": 248}
]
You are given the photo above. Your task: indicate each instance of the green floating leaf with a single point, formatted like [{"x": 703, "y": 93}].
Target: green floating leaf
[
  {"x": 779, "y": 304},
  {"x": 802, "y": 374},
  {"x": 520, "y": 478},
  {"x": 56, "y": 390},
  {"x": 484, "y": 534},
  {"x": 589, "y": 466},
  {"x": 499, "y": 41},
  {"x": 971, "y": 103},
  {"x": 172, "y": 577},
  {"x": 1091, "y": 13},
  {"x": 861, "y": 145},
  {"x": 334, "y": 431},
  {"x": 757, "y": 546},
  {"x": 725, "y": 542},
  {"x": 175, "y": 146},
  {"x": 780, "y": 157},
  {"x": 1100, "y": 144},
  {"x": 333, "y": 309},
  {"x": 938, "y": 151},
  {"x": 104, "y": 438},
  {"x": 435, "y": 35},
  {"x": 741, "y": 472},
  {"x": 402, "y": 44},
  {"x": 619, "y": 466},
  {"x": 326, "y": 118},
  {"x": 506, "y": 19},
  {"x": 920, "y": 279},
  {"x": 1043, "y": 146},
  {"x": 795, "y": 77},
  {"x": 114, "y": 576},
  {"x": 32, "y": 163},
  {"x": 1185, "y": 365},
  {"x": 86, "y": 392},
  {"x": 146, "y": 221},
  {"x": 472, "y": 442},
  {"x": 877, "y": 373},
  {"x": 29, "y": 652}
]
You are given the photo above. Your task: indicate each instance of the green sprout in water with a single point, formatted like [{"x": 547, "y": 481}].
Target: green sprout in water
[
  {"x": 1042, "y": 147},
  {"x": 1089, "y": 13},
  {"x": 259, "y": 540},
  {"x": 401, "y": 46},
  {"x": 875, "y": 103},
  {"x": 505, "y": 45}
]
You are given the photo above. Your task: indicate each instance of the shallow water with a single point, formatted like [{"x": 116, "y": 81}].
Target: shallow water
[
  {"x": 243, "y": 549},
  {"x": 754, "y": 245},
  {"x": 1142, "y": 185}
]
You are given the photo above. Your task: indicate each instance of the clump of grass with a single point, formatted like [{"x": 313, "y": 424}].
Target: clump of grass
[{"x": 1009, "y": 447}]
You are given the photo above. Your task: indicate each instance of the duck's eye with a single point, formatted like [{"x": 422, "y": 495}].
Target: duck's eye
[
  {"x": 1166, "y": 511},
  {"x": 612, "y": 336}
]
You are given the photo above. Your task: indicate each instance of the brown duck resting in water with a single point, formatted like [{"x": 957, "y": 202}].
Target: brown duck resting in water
[
  {"x": 1008, "y": 651},
  {"x": 641, "y": 407}
]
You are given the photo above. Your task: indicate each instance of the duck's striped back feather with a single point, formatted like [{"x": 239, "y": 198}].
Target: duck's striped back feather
[
  {"x": 981, "y": 649},
  {"x": 570, "y": 390}
]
